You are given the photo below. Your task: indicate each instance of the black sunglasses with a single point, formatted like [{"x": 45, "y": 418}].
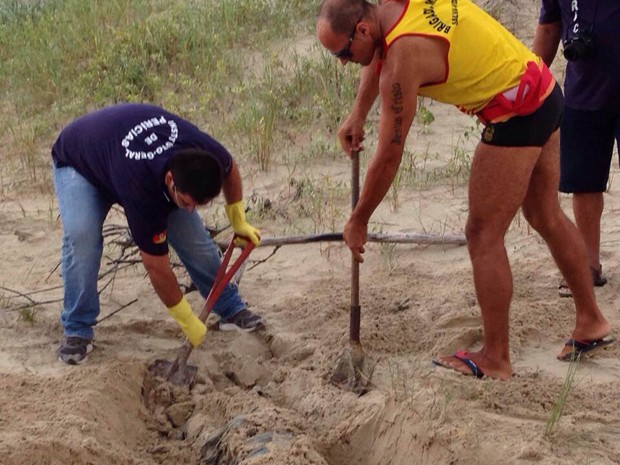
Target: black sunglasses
[{"x": 345, "y": 52}]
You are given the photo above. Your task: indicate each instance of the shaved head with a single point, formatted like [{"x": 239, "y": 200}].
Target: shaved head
[{"x": 342, "y": 15}]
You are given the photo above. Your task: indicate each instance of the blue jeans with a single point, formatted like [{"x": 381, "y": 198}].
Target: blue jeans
[{"x": 83, "y": 210}]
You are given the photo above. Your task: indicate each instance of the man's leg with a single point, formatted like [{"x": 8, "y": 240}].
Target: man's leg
[
  {"x": 82, "y": 211},
  {"x": 588, "y": 210},
  {"x": 542, "y": 210},
  {"x": 497, "y": 186},
  {"x": 586, "y": 148},
  {"x": 200, "y": 256}
]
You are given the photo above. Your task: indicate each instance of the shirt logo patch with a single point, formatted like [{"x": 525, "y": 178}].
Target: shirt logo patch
[{"x": 160, "y": 238}]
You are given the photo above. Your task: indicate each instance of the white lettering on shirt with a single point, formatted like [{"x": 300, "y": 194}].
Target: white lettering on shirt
[{"x": 141, "y": 132}]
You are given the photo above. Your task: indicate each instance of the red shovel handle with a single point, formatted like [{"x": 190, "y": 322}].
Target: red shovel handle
[{"x": 223, "y": 276}]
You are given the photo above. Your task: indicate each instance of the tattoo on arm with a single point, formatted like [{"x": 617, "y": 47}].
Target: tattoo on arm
[{"x": 397, "y": 109}]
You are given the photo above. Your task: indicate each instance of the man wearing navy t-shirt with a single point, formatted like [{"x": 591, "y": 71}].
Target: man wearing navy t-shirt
[
  {"x": 590, "y": 35},
  {"x": 159, "y": 168}
]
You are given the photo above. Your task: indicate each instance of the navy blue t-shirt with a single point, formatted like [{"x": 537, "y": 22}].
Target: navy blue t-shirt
[
  {"x": 124, "y": 150},
  {"x": 594, "y": 83}
]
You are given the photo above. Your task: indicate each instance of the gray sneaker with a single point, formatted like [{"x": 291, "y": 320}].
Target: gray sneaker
[
  {"x": 74, "y": 350},
  {"x": 244, "y": 321}
]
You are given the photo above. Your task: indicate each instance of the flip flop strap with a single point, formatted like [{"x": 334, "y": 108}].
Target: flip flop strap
[
  {"x": 582, "y": 345},
  {"x": 463, "y": 357}
]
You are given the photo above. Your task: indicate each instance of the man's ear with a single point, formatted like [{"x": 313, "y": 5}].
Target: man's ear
[
  {"x": 168, "y": 178},
  {"x": 363, "y": 28}
]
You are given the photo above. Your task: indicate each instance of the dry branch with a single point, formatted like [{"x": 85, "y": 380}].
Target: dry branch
[
  {"x": 126, "y": 255},
  {"x": 394, "y": 238}
]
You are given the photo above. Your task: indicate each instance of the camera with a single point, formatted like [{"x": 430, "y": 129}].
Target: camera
[{"x": 580, "y": 46}]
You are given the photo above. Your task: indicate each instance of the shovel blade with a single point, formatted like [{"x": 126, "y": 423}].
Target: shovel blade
[
  {"x": 181, "y": 375},
  {"x": 354, "y": 371}
]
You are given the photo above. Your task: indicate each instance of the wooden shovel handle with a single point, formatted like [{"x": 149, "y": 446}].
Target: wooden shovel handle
[{"x": 355, "y": 315}]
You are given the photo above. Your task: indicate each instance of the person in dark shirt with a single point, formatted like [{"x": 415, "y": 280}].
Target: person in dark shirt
[
  {"x": 159, "y": 168},
  {"x": 590, "y": 33}
]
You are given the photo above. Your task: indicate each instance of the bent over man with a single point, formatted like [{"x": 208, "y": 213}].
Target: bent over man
[
  {"x": 159, "y": 168},
  {"x": 456, "y": 53}
]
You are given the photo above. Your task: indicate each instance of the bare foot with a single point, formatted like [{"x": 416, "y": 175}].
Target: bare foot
[
  {"x": 474, "y": 364},
  {"x": 594, "y": 330}
]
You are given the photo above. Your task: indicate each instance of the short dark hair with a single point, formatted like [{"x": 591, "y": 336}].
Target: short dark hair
[
  {"x": 342, "y": 15},
  {"x": 197, "y": 173}
]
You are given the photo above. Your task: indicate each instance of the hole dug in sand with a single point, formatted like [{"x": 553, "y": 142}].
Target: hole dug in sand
[
  {"x": 87, "y": 415},
  {"x": 264, "y": 401},
  {"x": 170, "y": 405}
]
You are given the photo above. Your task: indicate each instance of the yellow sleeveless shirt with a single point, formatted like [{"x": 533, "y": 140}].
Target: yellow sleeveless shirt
[{"x": 484, "y": 59}]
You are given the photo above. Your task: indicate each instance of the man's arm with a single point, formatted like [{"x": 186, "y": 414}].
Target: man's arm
[
  {"x": 398, "y": 107},
  {"x": 232, "y": 187},
  {"x": 546, "y": 41},
  {"x": 235, "y": 208},
  {"x": 162, "y": 278},
  {"x": 401, "y": 78},
  {"x": 351, "y": 132},
  {"x": 167, "y": 288}
]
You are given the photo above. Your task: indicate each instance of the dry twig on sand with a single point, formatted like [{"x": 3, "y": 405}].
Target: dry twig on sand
[{"x": 124, "y": 254}]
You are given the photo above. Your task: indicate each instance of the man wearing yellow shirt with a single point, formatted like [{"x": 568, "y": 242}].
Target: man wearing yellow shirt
[{"x": 454, "y": 52}]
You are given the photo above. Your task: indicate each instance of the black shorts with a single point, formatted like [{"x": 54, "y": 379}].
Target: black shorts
[
  {"x": 586, "y": 148},
  {"x": 531, "y": 130}
]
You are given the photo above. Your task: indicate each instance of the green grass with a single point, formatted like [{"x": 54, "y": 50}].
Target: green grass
[
  {"x": 100, "y": 52},
  {"x": 250, "y": 73},
  {"x": 27, "y": 314},
  {"x": 558, "y": 407},
  {"x": 229, "y": 66}
]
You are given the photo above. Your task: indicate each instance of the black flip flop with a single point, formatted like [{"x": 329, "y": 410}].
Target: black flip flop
[{"x": 580, "y": 348}]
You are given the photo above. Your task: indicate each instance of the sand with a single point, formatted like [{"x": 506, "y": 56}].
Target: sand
[{"x": 265, "y": 398}]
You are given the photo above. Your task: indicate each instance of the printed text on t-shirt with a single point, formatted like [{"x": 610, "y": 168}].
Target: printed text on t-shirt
[{"x": 142, "y": 132}]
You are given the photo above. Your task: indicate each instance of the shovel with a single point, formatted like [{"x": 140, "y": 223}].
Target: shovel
[
  {"x": 179, "y": 372},
  {"x": 354, "y": 369}
]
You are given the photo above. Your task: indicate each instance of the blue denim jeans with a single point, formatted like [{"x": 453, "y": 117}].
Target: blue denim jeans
[{"x": 83, "y": 210}]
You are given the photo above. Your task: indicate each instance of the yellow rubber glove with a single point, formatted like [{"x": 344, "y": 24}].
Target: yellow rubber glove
[
  {"x": 236, "y": 215},
  {"x": 194, "y": 329}
]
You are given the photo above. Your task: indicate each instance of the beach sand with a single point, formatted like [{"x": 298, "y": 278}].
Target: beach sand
[{"x": 265, "y": 398}]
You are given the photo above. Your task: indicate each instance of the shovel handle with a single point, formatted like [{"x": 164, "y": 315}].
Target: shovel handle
[
  {"x": 222, "y": 278},
  {"x": 355, "y": 178},
  {"x": 355, "y": 315}
]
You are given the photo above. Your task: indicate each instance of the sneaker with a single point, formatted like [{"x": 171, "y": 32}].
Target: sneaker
[
  {"x": 244, "y": 321},
  {"x": 74, "y": 350}
]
